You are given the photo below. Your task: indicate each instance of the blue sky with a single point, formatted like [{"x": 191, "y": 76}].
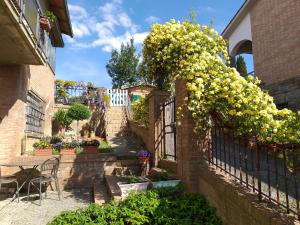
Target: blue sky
[{"x": 101, "y": 25}]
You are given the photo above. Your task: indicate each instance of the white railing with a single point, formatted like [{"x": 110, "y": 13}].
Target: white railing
[{"x": 118, "y": 97}]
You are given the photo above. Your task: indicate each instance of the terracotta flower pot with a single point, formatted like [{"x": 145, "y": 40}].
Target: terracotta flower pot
[
  {"x": 93, "y": 106},
  {"x": 43, "y": 151},
  {"x": 143, "y": 160},
  {"x": 68, "y": 151},
  {"x": 90, "y": 149},
  {"x": 45, "y": 24}
]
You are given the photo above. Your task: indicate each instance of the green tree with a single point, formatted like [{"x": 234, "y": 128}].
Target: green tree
[
  {"x": 123, "y": 65},
  {"x": 241, "y": 66},
  {"x": 63, "y": 120},
  {"x": 79, "y": 112}
]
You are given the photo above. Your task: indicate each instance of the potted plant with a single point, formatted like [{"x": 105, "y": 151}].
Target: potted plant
[
  {"x": 63, "y": 121},
  {"x": 78, "y": 112},
  {"x": 90, "y": 147},
  {"x": 66, "y": 148},
  {"x": 43, "y": 147},
  {"x": 132, "y": 183},
  {"x": 143, "y": 156},
  {"x": 46, "y": 20},
  {"x": 160, "y": 178}
]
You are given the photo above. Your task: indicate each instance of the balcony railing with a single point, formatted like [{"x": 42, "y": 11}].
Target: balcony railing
[{"x": 29, "y": 15}]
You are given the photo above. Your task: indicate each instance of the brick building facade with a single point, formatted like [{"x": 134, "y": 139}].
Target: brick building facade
[
  {"x": 27, "y": 71},
  {"x": 270, "y": 30}
]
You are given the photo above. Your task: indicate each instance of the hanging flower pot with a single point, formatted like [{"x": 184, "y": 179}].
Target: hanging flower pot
[{"x": 45, "y": 23}]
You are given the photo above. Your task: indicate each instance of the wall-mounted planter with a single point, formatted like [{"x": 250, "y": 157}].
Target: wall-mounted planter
[
  {"x": 43, "y": 152},
  {"x": 68, "y": 151},
  {"x": 134, "y": 187},
  {"x": 90, "y": 150},
  {"x": 165, "y": 183}
]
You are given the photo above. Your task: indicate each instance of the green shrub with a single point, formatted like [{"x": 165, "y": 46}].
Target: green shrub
[
  {"x": 170, "y": 206},
  {"x": 79, "y": 112},
  {"x": 140, "y": 111}
]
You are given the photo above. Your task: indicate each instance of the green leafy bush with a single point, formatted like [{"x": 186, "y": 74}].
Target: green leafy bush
[
  {"x": 165, "y": 206},
  {"x": 140, "y": 111},
  {"x": 79, "y": 112}
]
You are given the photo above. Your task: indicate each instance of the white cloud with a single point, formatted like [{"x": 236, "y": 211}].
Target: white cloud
[
  {"x": 152, "y": 19},
  {"x": 108, "y": 28},
  {"x": 210, "y": 9}
]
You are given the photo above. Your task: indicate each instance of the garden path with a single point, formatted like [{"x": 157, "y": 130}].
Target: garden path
[{"x": 14, "y": 213}]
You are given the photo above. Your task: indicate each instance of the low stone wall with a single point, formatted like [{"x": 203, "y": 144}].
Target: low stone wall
[
  {"x": 140, "y": 132},
  {"x": 234, "y": 203}
]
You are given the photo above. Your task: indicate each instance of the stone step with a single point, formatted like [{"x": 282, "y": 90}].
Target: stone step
[
  {"x": 101, "y": 195},
  {"x": 112, "y": 186}
]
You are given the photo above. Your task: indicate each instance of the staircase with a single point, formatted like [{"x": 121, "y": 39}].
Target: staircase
[{"x": 116, "y": 121}]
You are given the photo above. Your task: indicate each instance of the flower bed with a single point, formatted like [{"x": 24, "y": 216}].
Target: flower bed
[{"x": 161, "y": 206}]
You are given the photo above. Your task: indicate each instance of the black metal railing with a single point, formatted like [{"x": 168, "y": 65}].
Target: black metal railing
[
  {"x": 270, "y": 170},
  {"x": 29, "y": 15}
]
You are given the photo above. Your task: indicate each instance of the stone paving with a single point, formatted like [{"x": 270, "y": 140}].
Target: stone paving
[{"x": 23, "y": 213}]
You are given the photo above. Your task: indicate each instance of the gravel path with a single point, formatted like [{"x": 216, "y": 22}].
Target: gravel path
[{"x": 23, "y": 213}]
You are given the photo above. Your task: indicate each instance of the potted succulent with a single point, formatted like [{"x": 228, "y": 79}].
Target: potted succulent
[
  {"x": 143, "y": 156},
  {"x": 43, "y": 147},
  {"x": 90, "y": 147},
  {"x": 46, "y": 20}
]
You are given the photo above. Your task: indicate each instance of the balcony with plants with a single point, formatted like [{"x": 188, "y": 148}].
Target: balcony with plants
[{"x": 34, "y": 30}]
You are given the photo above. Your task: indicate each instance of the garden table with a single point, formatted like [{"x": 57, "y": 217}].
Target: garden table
[{"x": 24, "y": 164}]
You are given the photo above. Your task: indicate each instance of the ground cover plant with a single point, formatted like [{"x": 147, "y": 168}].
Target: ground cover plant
[
  {"x": 165, "y": 206},
  {"x": 199, "y": 55}
]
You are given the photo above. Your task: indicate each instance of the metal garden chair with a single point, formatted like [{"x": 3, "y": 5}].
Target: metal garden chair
[
  {"x": 9, "y": 180},
  {"x": 49, "y": 170}
]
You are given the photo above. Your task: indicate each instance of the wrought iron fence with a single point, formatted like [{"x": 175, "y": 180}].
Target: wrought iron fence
[{"x": 270, "y": 170}]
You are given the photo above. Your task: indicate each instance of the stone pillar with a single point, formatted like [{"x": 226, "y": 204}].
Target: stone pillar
[
  {"x": 154, "y": 140},
  {"x": 189, "y": 146}
]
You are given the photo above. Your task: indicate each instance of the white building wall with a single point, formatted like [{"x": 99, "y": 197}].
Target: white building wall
[{"x": 241, "y": 33}]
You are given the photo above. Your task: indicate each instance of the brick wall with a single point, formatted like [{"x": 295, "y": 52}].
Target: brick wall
[
  {"x": 81, "y": 171},
  {"x": 116, "y": 120},
  {"x": 234, "y": 204},
  {"x": 275, "y": 32},
  {"x": 139, "y": 132},
  {"x": 15, "y": 82}
]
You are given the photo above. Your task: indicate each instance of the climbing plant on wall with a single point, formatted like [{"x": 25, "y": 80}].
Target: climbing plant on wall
[{"x": 199, "y": 55}]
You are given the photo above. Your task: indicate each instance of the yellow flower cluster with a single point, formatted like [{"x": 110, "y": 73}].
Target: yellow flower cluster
[{"x": 199, "y": 55}]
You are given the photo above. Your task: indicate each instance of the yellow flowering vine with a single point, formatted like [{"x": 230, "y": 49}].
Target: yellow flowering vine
[{"x": 199, "y": 55}]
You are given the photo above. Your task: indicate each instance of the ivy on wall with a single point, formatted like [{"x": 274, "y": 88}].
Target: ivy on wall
[{"x": 199, "y": 55}]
